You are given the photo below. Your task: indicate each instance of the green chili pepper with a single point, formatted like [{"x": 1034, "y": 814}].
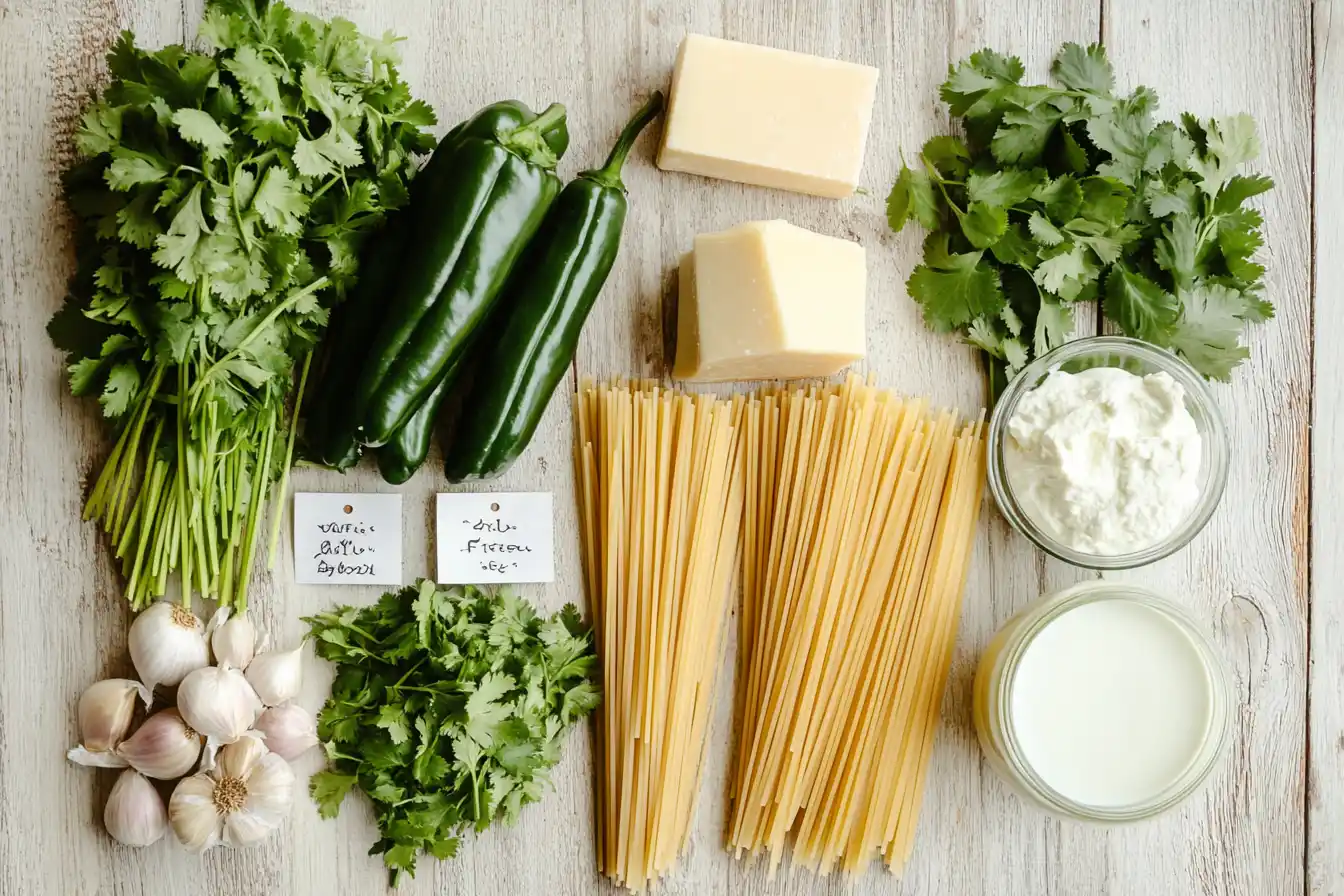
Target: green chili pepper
[
  {"x": 329, "y": 427},
  {"x": 546, "y": 306}
]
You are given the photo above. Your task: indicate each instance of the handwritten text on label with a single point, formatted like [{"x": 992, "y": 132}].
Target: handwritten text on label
[
  {"x": 345, "y": 539},
  {"x": 495, "y": 537}
]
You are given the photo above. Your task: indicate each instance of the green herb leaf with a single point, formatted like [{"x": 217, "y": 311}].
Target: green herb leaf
[
  {"x": 1004, "y": 189},
  {"x": 948, "y": 155},
  {"x": 912, "y": 196},
  {"x": 1230, "y": 143},
  {"x": 956, "y": 291},
  {"x": 131, "y": 169},
  {"x": 1084, "y": 68},
  {"x": 328, "y": 789},
  {"x": 429, "y": 725},
  {"x": 199, "y": 128},
  {"x": 1208, "y": 333},
  {"x": 983, "y": 224},
  {"x": 1139, "y": 306}
]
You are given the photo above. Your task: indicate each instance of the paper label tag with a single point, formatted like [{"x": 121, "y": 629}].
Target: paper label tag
[
  {"x": 347, "y": 539},
  {"x": 495, "y": 538}
]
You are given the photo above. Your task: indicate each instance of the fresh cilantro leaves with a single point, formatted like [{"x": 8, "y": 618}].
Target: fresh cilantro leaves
[
  {"x": 220, "y": 206},
  {"x": 448, "y": 710},
  {"x": 1061, "y": 195}
]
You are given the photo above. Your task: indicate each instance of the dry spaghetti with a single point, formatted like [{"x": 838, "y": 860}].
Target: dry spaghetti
[
  {"x": 660, "y": 480},
  {"x": 859, "y": 518}
]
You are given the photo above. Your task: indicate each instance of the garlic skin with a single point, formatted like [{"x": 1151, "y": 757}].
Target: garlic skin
[
  {"x": 135, "y": 814},
  {"x": 218, "y": 702},
  {"x": 289, "y": 729},
  {"x": 277, "y": 676},
  {"x": 167, "y": 641},
  {"x": 106, "y": 709},
  {"x": 164, "y": 747},
  {"x": 232, "y": 638},
  {"x": 239, "y": 803}
]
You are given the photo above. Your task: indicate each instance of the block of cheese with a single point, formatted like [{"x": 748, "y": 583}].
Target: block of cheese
[
  {"x": 768, "y": 117},
  {"x": 768, "y": 300}
]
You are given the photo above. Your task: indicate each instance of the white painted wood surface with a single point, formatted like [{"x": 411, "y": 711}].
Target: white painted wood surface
[{"x": 1271, "y": 821}]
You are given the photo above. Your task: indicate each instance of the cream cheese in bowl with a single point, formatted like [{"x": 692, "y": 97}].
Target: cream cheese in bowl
[
  {"x": 1105, "y": 461},
  {"x": 1107, "y": 453}
]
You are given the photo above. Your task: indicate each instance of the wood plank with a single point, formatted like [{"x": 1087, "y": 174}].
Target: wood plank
[
  {"x": 1245, "y": 576},
  {"x": 65, "y": 623},
  {"x": 1325, "y": 748}
]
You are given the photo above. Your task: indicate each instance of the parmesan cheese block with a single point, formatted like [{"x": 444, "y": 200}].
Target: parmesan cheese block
[
  {"x": 768, "y": 300},
  {"x": 768, "y": 117}
]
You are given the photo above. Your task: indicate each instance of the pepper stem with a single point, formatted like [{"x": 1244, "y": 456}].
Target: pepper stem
[
  {"x": 609, "y": 175},
  {"x": 528, "y": 141}
]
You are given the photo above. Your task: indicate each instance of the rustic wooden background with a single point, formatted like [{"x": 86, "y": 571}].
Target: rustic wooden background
[{"x": 1263, "y": 576}]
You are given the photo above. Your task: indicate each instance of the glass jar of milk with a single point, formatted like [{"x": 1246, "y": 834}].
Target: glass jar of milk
[{"x": 1103, "y": 702}]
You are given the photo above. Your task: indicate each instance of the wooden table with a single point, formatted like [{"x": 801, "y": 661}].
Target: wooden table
[{"x": 1263, "y": 577}]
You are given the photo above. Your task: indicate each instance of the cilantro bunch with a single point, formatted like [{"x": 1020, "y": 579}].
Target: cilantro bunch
[
  {"x": 447, "y": 710},
  {"x": 220, "y": 205},
  {"x": 1061, "y": 195}
]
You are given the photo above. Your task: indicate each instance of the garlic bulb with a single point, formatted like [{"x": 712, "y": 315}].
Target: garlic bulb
[
  {"x": 289, "y": 729},
  {"x": 164, "y": 747},
  {"x": 105, "y": 713},
  {"x": 167, "y": 641},
  {"x": 135, "y": 814},
  {"x": 233, "y": 638},
  {"x": 277, "y": 676},
  {"x": 218, "y": 702},
  {"x": 240, "y": 802}
]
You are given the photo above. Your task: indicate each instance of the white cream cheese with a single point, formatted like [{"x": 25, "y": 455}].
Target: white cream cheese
[{"x": 1104, "y": 461}]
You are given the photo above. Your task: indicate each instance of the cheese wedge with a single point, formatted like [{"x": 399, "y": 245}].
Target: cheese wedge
[
  {"x": 768, "y": 117},
  {"x": 768, "y": 300}
]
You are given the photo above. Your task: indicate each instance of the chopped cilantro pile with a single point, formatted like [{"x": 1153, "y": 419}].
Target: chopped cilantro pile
[
  {"x": 220, "y": 203},
  {"x": 1061, "y": 195},
  {"x": 448, "y": 710}
]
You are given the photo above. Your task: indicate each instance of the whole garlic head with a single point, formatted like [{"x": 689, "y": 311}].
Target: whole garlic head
[
  {"x": 238, "y": 803},
  {"x": 167, "y": 641}
]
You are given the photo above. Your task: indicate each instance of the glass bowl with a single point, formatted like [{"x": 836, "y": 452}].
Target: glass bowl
[
  {"x": 1138, "y": 358},
  {"x": 992, "y": 704}
]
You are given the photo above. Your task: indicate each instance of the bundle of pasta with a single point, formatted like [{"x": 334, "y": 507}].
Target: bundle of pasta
[
  {"x": 659, "y": 477},
  {"x": 859, "y": 519}
]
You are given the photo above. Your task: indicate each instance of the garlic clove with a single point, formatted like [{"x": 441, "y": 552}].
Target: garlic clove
[
  {"x": 135, "y": 814},
  {"x": 167, "y": 641},
  {"x": 196, "y": 822},
  {"x": 218, "y": 702},
  {"x": 106, "y": 710},
  {"x": 277, "y": 676},
  {"x": 269, "y": 789},
  {"x": 237, "y": 759},
  {"x": 233, "y": 638},
  {"x": 244, "y": 829},
  {"x": 270, "y": 785},
  {"x": 106, "y": 759},
  {"x": 289, "y": 729},
  {"x": 164, "y": 747}
]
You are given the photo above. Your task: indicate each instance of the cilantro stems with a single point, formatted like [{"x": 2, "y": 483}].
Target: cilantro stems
[
  {"x": 221, "y": 201},
  {"x": 279, "y": 515}
]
